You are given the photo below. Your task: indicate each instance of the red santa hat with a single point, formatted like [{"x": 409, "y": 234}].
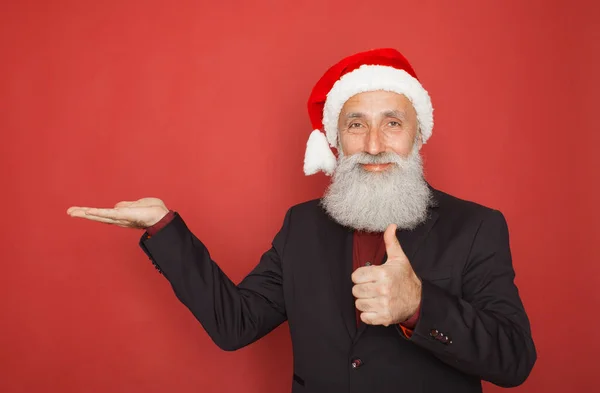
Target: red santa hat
[{"x": 378, "y": 69}]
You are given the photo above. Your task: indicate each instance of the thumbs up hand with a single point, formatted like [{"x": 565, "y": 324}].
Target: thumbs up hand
[{"x": 390, "y": 293}]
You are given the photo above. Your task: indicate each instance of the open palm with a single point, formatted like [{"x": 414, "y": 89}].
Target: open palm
[{"x": 139, "y": 214}]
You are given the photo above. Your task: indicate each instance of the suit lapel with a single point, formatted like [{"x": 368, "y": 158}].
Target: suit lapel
[
  {"x": 335, "y": 242},
  {"x": 410, "y": 241}
]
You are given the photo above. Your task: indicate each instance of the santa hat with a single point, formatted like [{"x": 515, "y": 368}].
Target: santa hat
[{"x": 378, "y": 69}]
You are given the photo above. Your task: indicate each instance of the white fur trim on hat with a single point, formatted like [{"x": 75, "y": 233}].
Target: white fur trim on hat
[
  {"x": 318, "y": 156},
  {"x": 371, "y": 78}
]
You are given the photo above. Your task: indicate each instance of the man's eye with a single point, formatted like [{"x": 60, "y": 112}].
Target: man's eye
[
  {"x": 355, "y": 125},
  {"x": 394, "y": 124}
]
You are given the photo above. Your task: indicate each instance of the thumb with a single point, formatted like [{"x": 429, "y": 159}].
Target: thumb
[
  {"x": 124, "y": 204},
  {"x": 392, "y": 246}
]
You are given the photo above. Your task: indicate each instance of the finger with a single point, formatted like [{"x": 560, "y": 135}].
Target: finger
[
  {"x": 121, "y": 223},
  {"x": 132, "y": 217},
  {"x": 365, "y": 274},
  {"x": 124, "y": 204},
  {"x": 365, "y": 291},
  {"x": 77, "y": 211},
  {"x": 115, "y": 214},
  {"x": 374, "y": 318},
  {"x": 75, "y": 208},
  {"x": 392, "y": 246},
  {"x": 370, "y": 318},
  {"x": 367, "y": 305},
  {"x": 81, "y": 210}
]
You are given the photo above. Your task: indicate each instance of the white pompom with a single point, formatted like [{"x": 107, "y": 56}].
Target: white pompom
[{"x": 318, "y": 156}]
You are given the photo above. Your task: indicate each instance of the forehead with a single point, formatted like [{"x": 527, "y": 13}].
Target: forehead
[{"x": 378, "y": 100}]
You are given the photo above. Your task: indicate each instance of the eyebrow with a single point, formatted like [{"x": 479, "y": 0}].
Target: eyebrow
[
  {"x": 354, "y": 115},
  {"x": 393, "y": 113}
]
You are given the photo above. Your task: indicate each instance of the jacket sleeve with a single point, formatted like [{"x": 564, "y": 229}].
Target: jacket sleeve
[
  {"x": 485, "y": 332},
  {"x": 232, "y": 315}
]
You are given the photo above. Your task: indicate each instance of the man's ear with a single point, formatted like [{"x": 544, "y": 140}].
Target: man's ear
[
  {"x": 338, "y": 150},
  {"x": 419, "y": 138}
]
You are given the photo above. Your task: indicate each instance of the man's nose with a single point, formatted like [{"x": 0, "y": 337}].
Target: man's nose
[{"x": 374, "y": 142}]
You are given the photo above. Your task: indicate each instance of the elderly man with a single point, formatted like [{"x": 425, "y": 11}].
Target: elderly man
[{"x": 388, "y": 285}]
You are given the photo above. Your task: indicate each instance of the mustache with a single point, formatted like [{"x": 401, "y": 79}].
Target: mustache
[{"x": 380, "y": 158}]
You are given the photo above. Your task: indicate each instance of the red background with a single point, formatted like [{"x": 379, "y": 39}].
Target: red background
[{"x": 203, "y": 105}]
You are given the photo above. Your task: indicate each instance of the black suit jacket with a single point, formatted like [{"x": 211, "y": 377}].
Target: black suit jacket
[{"x": 472, "y": 325}]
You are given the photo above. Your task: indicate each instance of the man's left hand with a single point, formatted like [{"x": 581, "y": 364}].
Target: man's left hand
[{"x": 390, "y": 293}]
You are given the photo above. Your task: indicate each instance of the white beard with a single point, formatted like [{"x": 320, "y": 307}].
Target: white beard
[{"x": 371, "y": 201}]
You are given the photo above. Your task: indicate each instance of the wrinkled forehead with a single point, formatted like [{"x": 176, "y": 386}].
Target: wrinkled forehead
[{"x": 379, "y": 102}]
